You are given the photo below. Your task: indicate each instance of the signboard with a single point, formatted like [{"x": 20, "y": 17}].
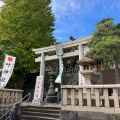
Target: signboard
[
  {"x": 38, "y": 87},
  {"x": 59, "y": 50},
  {"x": 81, "y": 79},
  {"x": 7, "y": 69}
]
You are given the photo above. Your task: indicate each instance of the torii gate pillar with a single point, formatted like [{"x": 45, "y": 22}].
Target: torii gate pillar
[
  {"x": 42, "y": 73},
  {"x": 81, "y": 54}
]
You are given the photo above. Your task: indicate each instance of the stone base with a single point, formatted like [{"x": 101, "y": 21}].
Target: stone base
[
  {"x": 75, "y": 115},
  {"x": 51, "y": 99},
  {"x": 69, "y": 115},
  {"x": 3, "y": 110}
]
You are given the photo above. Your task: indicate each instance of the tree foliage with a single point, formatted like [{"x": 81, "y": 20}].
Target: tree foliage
[
  {"x": 29, "y": 24},
  {"x": 105, "y": 44}
]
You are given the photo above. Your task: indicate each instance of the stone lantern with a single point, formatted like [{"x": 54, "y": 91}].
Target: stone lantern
[
  {"x": 51, "y": 96},
  {"x": 88, "y": 68}
]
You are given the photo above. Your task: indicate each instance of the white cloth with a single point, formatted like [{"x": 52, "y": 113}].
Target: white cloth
[
  {"x": 7, "y": 69},
  {"x": 58, "y": 79}
]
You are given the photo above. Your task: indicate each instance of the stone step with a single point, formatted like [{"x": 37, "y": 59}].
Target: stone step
[
  {"x": 45, "y": 107},
  {"x": 31, "y": 113},
  {"x": 42, "y": 110},
  {"x": 29, "y": 117}
]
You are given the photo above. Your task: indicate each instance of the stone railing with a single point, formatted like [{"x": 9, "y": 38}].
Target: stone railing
[
  {"x": 94, "y": 98},
  {"x": 9, "y": 96}
]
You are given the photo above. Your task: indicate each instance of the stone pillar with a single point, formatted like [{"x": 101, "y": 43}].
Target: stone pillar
[
  {"x": 42, "y": 65},
  {"x": 87, "y": 74},
  {"x": 87, "y": 79},
  {"x": 42, "y": 73},
  {"x": 81, "y": 55}
]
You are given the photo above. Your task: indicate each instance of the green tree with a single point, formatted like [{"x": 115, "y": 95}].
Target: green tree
[
  {"x": 29, "y": 24},
  {"x": 105, "y": 44}
]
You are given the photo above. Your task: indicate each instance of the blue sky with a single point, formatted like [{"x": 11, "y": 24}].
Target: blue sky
[{"x": 77, "y": 18}]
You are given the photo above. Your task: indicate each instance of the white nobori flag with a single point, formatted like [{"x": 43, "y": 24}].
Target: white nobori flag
[
  {"x": 7, "y": 69},
  {"x": 58, "y": 79},
  {"x": 38, "y": 87}
]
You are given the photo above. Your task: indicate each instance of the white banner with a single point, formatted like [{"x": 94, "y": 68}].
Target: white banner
[
  {"x": 7, "y": 69},
  {"x": 58, "y": 79},
  {"x": 38, "y": 87},
  {"x": 81, "y": 79}
]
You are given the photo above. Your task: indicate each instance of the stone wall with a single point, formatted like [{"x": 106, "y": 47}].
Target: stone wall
[
  {"x": 3, "y": 110},
  {"x": 69, "y": 115},
  {"x": 75, "y": 115},
  {"x": 7, "y": 99},
  {"x": 9, "y": 96}
]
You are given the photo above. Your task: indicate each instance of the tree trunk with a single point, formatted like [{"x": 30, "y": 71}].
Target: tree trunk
[
  {"x": 19, "y": 80},
  {"x": 117, "y": 75}
]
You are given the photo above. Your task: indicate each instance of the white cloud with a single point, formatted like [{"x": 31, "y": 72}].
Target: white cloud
[
  {"x": 65, "y": 7},
  {"x": 80, "y": 16}
]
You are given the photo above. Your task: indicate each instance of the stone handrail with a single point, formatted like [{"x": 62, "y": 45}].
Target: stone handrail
[
  {"x": 96, "y": 98},
  {"x": 9, "y": 96}
]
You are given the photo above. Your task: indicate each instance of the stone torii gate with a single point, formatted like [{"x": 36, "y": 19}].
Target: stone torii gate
[{"x": 81, "y": 44}]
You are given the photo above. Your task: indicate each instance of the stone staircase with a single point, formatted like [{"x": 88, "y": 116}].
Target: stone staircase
[{"x": 40, "y": 113}]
